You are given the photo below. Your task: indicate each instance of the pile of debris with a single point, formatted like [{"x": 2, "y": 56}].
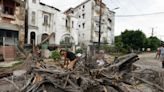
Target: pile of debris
[{"x": 115, "y": 77}]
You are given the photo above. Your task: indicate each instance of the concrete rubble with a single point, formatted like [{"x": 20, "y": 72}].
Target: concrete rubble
[{"x": 119, "y": 76}]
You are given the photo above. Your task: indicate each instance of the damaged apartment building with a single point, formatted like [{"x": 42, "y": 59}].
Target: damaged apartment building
[
  {"x": 88, "y": 14},
  {"x": 12, "y": 18},
  {"x": 48, "y": 24}
]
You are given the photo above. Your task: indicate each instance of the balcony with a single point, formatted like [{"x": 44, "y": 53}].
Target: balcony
[
  {"x": 8, "y": 41},
  {"x": 8, "y": 16}
]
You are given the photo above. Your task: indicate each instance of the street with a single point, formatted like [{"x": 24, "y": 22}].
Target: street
[{"x": 148, "y": 59}]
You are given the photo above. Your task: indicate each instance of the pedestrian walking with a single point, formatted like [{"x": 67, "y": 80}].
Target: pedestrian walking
[
  {"x": 161, "y": 53},
  {"x": 157, "y": 53}
]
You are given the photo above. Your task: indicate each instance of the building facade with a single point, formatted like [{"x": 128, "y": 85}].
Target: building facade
[
  {"x": 47, "y": 21},
  {"x": 88, "y": 14},
  {"x": 12, "y": 27},
  {"x": 12, "y": 19}
]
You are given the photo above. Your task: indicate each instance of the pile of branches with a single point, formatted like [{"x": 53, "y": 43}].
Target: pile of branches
[
  {"x": 109, "y": 78},
  {"x": 86, "y": 79}
]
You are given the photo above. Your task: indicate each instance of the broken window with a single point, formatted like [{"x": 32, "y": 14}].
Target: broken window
[
  {"x": 83, "y": 6},
  {"x": 109, "y": 20},
  {"x": 34, "y": 1},
  {"x": 83, "y": 25},
  {"x": 1, "y": 34},
  {"x": 1, "y": 38},
  {"x": 67, "y": 39},
  {"x": 83, "y": 16},
  {"x": 72, "y": 24},
  {"x": 45, "y": 20},
  {"x": 72, "y": 12},
  {"x": 9, "y": 34},
  {"x": 33, "y": 17},
  {"x": 109, "y": 28},
  {"x": 66, "y": 23},
  {"x": 9, "y": 7},
  {"x": 83, "y": 35}
]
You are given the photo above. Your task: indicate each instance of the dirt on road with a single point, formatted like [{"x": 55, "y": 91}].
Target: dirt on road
[
  {"x": 150, "y": 68},
  {"x": 148, "y": 59}
]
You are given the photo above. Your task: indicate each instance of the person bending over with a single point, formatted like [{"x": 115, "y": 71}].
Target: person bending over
[{"x": 70, "y": 59}]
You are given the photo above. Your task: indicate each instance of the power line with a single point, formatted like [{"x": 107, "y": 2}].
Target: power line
[
  {"x": 123, "y": 5},
  {"x": 136, "y": 15}
]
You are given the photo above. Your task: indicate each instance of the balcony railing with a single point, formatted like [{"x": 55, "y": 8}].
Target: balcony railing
[
  {"x": 8, "y": 41},
  {"x": 8, "y": 16}
]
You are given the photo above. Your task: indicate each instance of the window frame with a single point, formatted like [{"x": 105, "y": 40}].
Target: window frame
[
  {"x": 33, "y": 18},
  {"x": 83, "y": 15},
  {"x": 34, "y": 1},
  {"x": 83, "y": 25},
  {"x": 45, "y": 19}
]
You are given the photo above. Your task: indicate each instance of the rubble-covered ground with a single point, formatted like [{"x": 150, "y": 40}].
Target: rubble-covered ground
[{"x": 125, "y": 74}]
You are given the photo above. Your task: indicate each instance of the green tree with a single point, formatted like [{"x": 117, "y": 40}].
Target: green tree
[
  {"x": 133, "y": 39},
  {"x": 153, "y": 43},
  {"x": 118, "y": 43}
]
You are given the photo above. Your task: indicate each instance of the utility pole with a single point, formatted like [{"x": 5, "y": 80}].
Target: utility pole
[
  {"x": 152, "y": 34},
  {"x": 100, "y": 17}
]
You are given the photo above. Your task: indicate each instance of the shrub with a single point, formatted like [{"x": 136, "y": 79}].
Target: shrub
[
  {"x": 108, "y": 49},
  {"x": 124, "y": 51},
  {"x": 79, "y": 51},
  {"x": 55, "y": 55}
]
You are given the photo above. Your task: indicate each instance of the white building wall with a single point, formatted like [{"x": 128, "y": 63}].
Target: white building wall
[
  {"x": 89, "y": 34},
  {"x": 62, "y": 30},
  {"x": 84, "y": 33},
  {"x": 60, "y": 26},
  {"x": 56, "y": 23},
  {"x": 74, "y": 30},
  {"x": 107, "y": 28}
]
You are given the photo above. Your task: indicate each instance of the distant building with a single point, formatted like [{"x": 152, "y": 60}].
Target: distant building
[
  {"x": 12, "y": 27},
  {"x": 47, "y": 21},
  {"x": 12, "y": 18},
  {"x": 88, "y": 14}
]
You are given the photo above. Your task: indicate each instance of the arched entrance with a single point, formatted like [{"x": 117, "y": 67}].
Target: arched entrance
[
  {"x": 44, "y": 36},
  {"x": 52, "y": 38},
  {"x": 67, "y": 41},
  {"x": 32, "y": 38}
]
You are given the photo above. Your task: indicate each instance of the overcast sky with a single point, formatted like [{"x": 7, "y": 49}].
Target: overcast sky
[{"x": 128, "y": 7}]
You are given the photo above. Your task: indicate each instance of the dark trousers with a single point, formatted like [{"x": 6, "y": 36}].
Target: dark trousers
[{"x": 162, "y": 64}]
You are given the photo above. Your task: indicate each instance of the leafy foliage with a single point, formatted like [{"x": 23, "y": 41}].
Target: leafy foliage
[
  {"x": 135, "y": 40},
  {"x": 153, "y": 43},
  {"x": 79, "y": 51},
  {"x": 118, "y": 43},
  {"x": 55, "y": 55}
]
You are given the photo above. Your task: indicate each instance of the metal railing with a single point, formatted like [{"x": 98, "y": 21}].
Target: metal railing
[{"x": 8, "y": 41}]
